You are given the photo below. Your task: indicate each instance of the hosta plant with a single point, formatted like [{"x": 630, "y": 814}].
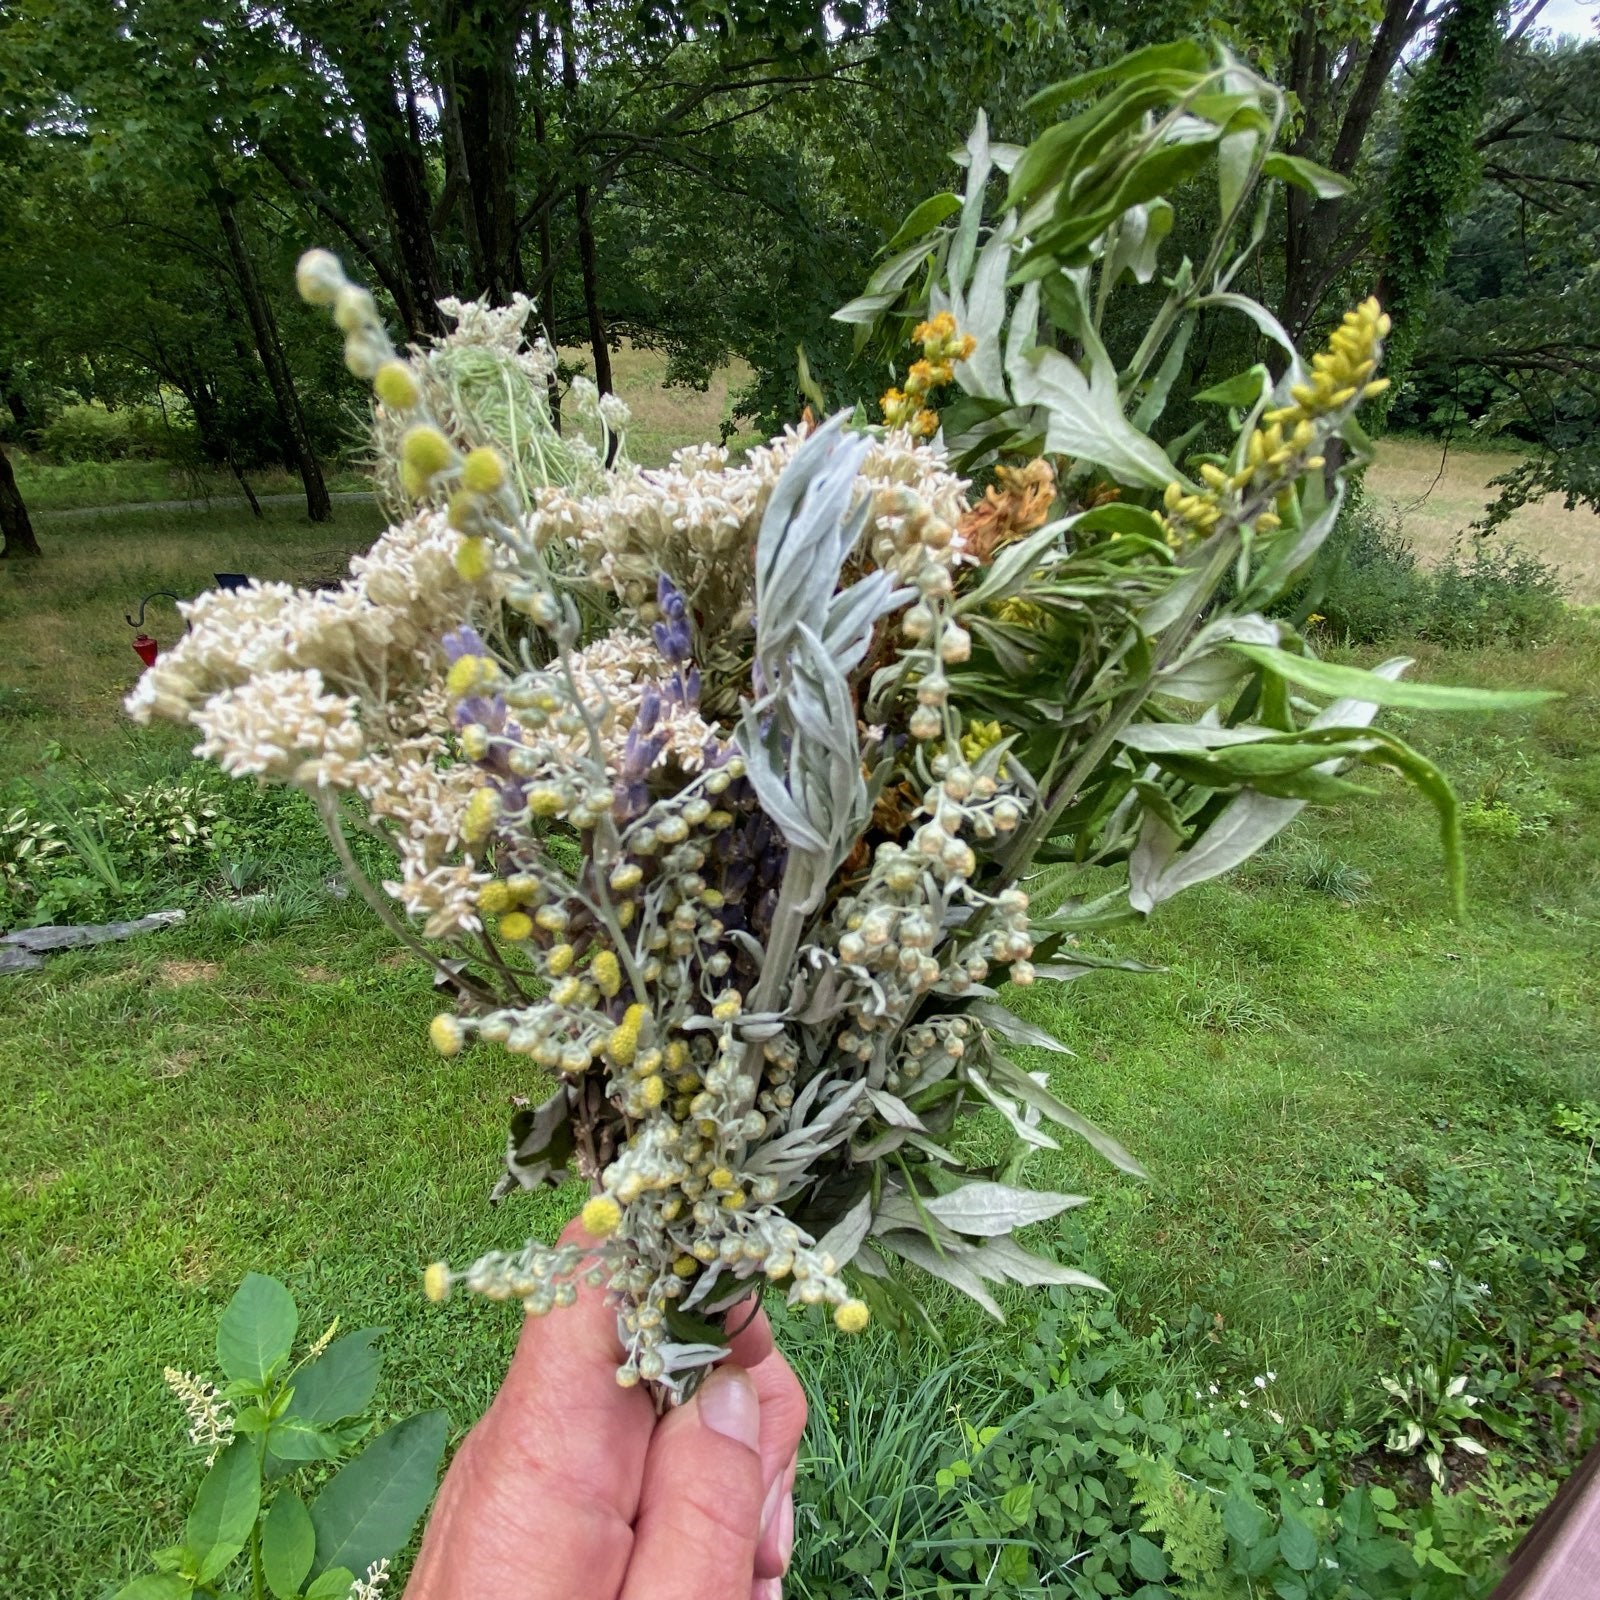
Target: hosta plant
[{"x": 717, "y": 789}]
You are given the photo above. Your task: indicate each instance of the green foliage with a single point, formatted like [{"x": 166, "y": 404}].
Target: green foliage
[
  {"x": 249, "y": 1528},
  {"x": 1369, "y": 588},
  {"x": 82, "y": 433},
  {"x": 83, "y": 847},
  {"x": 1435, "y": 168}
]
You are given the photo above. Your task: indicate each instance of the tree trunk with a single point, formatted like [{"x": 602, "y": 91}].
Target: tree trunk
[
  {"x": 586, "y": 252},
  {"x": 397, "y": 160},
  {"x": 483, "y": 103},
  {"x": 1339, "y": 91},
  {"x": 265, "y": 328},
  {"x": 547, "y": 276},
  {"x": 14, "y": 522},
  {"x": 15, "y": 403}
]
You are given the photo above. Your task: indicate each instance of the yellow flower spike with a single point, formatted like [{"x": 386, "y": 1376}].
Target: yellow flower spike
[
  {"x": 426, "y": 451},
  {"x": 445, "y": 1034},
  {"x": 601, "y": 1216},
  {"x": 396, "y": 386},
  {"x": 558, "y": 959},
  {"x": 483, "y": 472},
  {"x": 436, "y": 1282},
  {"x": 852, "y": 1316},
  {"x": 494, "y": 897},
  {"x": 606, "y": 972},
  {"x": 473, "y": 561},
  {"x": 515, "y": 926}
]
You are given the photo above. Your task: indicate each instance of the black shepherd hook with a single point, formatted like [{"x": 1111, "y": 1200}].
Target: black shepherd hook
[{"x": 154, "y": 593}]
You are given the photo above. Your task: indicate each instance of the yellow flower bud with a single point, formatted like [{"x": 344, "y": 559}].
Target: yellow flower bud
[
  {"x": 319, "y": 277},
  {"x": 651, "y": 1093},
  {"x": 515, "y": 926},
  {"x": 426, "y": 451},
  {"x": 472, "y": 560},
  {"x": 852, "y": 1316},
  {"x": 436, "y": 1282},
  {"x": 465, "y": 513},
  {"x": 720, "y": 1178},
  {"x": 494, "y": 898},
  {"x": 413, "y": 482},
  {"x": 565, "y": 992},
  {"x": 483, "y": 472},
  {"x": 686, "y": 1266},
  {"x": 558, "y": 959},
  {"x": 395, "y": 385},
  {"x": 354, "y": 308},
  {"x": 606, "y": 972},
  {"x": 445, "y": 1033},
  {"x": 601, "y": 1216}
]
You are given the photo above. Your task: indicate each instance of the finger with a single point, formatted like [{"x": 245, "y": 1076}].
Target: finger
[
  {"x": 540, "y": 1499},
  {"x": 783, "y": 1421},
  {"x": 776, "y": 1543},
  {"x": 700, "y": 1508}
]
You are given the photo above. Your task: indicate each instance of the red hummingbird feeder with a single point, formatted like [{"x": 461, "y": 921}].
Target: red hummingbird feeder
[{"x": 144, "y": 646}]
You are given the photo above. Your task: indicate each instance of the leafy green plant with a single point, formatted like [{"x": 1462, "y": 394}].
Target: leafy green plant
[
  {"x": 270, "y": 1430},
  {"x": 1430, "y": 1413}
]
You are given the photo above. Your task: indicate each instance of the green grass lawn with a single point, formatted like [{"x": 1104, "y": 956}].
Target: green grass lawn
[{"x": 1331, "y": 1084}]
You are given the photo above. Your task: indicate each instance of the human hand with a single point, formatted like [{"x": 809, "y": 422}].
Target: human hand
[{"x": 571, "y": 1488}]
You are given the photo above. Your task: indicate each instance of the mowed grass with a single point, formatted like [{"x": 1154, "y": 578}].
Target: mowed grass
[{"x": 1439, "y": 494}]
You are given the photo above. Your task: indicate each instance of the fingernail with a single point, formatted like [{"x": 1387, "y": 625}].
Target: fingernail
[
  {"x": 729, "y": 1406},
  {"x": 767, "y": 1589},
  {"x": 769, "y": 1506},
  {"x": 786, "y": 1531}
]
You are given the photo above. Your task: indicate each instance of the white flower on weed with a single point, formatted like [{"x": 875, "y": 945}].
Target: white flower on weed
[
  {"x": 1436, "y": 1265},
  {"x": 210, "y": 1422},
  {"x": 371, "y": 1587}
]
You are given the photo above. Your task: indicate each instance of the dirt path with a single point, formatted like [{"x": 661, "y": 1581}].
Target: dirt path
[{"x": 45, "y": 512}]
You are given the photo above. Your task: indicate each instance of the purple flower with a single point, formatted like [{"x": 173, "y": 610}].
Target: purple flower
[{"x": 463, "y": 641}]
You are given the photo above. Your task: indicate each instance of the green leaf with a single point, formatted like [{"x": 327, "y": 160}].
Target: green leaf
[
  {"x": 1242, "y": 1519},
  {"x": 288, "y": 1545},
  {"x": 370, "y": 1506},
  {"x": 1147, "y": 1558},
  {"x": 224, "y": 1511},
  {"x": 1321, "y": 181},
  {"x": 341, "y": 1381},
  {"x": 1297, "y": 1543},
  {"x": 294, "y": 1439},
  {"x": 257, "y": 1330},
  {"x": 1242, "y": 390},
  {"x": 1325, "y": 678},
  {"x": 928, "y": 215},
  {"x": 1183, "y": 55},
  {"x": 156, "y": 1586},
  {"x": 334, "y": 1584}
]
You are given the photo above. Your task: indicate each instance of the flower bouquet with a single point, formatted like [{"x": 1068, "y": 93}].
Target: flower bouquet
[{"x": 720, "y": 792}]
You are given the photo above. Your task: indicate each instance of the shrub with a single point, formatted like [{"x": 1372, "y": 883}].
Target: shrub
[
  {"x": 92, "y": 433},
  {"x": 1370, "y": 589}
]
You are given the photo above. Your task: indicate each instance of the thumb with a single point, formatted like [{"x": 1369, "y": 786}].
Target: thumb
[{"x": 700, "y": 1509}]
